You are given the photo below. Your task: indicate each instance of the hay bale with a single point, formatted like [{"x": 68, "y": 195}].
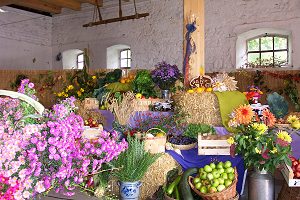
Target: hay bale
[
  {"x": 199, "y": 107},
  {"x": 86, "y": 114},
  {"x": 154, "y": 177}
]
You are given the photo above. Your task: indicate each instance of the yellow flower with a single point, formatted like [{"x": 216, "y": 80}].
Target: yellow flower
[
  {"x": 257, "y": 150},
  {"x": 67, "y": 90},
  {"x": 63, "y": 93},
  {"x": 70, "y": 87},
  {"x": 285, "y": 136},
  {"x": 94, "y": 77},
  {"x": 261, "y": 128},
  {"x": 81, "y": 90},
  {"x": 292, "y": 118},
  {"x": 59, "y": 94},
  {"x": 66, "y": 95},
  {"x": 274, "y": 150},
  {"x": 230, "y": 140},
  {"x": 79, "y": 93}
]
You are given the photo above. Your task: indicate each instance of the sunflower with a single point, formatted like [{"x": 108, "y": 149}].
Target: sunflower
[
  {"x": 269, "y": 118},
  {"x": 292, "y": 118},
  {"x": 285, "y": 136},
  {"x": 244, "y": 114}
]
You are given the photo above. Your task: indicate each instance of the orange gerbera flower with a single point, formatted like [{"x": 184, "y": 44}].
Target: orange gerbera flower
[
  {"x": 269, "y": 118},
  {"x": 244, "y": 114}
]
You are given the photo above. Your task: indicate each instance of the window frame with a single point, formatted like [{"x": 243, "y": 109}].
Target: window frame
[
  {"x": 127, "y": 58},
  {"x": 77, "y": 61},
  {"x": 273, "y": 47}
]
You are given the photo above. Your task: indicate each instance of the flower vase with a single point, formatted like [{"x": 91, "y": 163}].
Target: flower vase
[
  {"x": 261, "y": 185},
  {"x": 130, "y": 190},
  {"x": 165, "y": 94}
]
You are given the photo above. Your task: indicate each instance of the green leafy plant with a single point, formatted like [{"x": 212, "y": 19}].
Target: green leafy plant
[
  {"x": 134, "y": 162},
  {"x": 278, "y": 105},
  {"x": 193, "y": 130},
  {"x": 144, "y": 84}
]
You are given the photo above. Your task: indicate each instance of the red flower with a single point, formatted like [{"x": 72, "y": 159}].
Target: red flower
[
  {"x": 232, "y": 150},
  {"x": 282, "y": 142},
  {"x": 265, "y": 154}
]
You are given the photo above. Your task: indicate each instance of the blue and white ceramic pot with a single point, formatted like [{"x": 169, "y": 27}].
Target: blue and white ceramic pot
[{"x": 130, "y": 190}]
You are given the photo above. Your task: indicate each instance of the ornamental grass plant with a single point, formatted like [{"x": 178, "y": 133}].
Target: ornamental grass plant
[{"x": 133, "y": 163}]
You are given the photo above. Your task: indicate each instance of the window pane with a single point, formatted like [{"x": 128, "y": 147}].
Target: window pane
[
  {"x": 280, "y": 43},
  {"x": 80, "y": 65},
  {"x": 129, "y": 63},
  {"x": 281, "y": 58},
  {"x": 253, "y": 57},
  {"x": 253, "y": 45},
  {"x": 80, "y": 58},
  {"x": 129, "y": 53},
  {"x": 124, "y": 63},
  {"x": 124, "y": 54},
  {"x": 267, "y": 59},
  {"x": 266, "y": 43}
]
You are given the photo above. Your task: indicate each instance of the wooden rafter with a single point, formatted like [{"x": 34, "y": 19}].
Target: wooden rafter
[
  {"x": 38, "y": 5},
  {"x": 100, "y": 2},
  {"x": 6, "y": 2},
  {"x": 72, "y": 4}
]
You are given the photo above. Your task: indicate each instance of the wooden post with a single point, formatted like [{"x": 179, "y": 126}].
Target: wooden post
[{"x": 195, "y": 8}]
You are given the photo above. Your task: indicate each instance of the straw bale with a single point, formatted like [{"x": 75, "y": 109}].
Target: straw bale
[
  {"x": 199, "y": 107},
  {"x": 154, "y": 177}
]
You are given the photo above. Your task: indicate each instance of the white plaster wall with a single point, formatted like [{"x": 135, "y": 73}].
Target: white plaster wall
[
  {"x": 25, "y": 40},
  {"x": 152, "y": 39},
  {"x": 69, "y": 58},
  {"x": 113, "y": 56},
  {"x": 226, "y": 19}
]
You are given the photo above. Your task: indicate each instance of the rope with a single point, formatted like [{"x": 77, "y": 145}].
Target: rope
[{"x": 135, "y": 10}]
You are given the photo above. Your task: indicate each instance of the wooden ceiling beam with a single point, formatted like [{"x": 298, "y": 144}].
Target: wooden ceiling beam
[
  {"x": 39, "y": 5},
  {"x": 72, "y": 4},
  {"x": 7, "y": 2},
  {"x": 100, "y": 2}
]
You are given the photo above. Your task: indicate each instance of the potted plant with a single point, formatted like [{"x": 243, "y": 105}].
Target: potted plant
[
  {"x": 263, "y": 149},
  {"x": 132, "y": 165},
  {"x": 165, "y": 76}
]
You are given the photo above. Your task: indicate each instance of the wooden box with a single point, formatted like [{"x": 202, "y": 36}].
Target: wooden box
[
  {"x": 288, "y": 175},
  {"x": 213, "y": 145},
  {"x": 90, "y": 104}
]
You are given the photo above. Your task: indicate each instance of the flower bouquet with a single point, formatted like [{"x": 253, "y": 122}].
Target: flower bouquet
[
  {"x": 165, "y": 75},
  {"x": 253, "y": 94},
  {"x": 43, "y": 152},
  {"x": 260, "y": 146}
]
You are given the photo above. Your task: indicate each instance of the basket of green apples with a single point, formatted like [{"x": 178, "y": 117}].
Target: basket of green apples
[{"x": 216, "y": 181}]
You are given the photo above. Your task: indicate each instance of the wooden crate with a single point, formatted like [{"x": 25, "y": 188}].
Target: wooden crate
[
  {"x": 213, "y": 145},
  {"x": 288, "y": 175},
  {"x": 90, "y": 104}
]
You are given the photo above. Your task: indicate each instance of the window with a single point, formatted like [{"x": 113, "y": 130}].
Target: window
[
  {"x": 125, "y": 58},
  {"x": 268, "y": 51},
  {"x": 80, "y": 61}
]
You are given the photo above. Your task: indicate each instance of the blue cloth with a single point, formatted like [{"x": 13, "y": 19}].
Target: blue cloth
[{"x": 191, "y": 159}]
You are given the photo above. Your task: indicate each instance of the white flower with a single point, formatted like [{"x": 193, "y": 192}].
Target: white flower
[
  {"x": 26, "y": 194},
  {"x": 39, "y": 187}
]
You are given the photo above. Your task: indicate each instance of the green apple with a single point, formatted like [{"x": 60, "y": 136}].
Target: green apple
[
  {"x": 212, "y": 189},
  {"x": 212, "y": 165},
  {"x": 229, "y": 170},
  {"x": 220, "y": 165},
  {"x": 216, "y": 173},
  {"x": 203, "y": 175},
  {"x": 196, "y": 180},
  {"x": 227, "y": 164},
  {"x": 227, "y": 183},
  {"x": 203, "y": 189},
  {"x": 231, "y": 176},
  {"x": 224, "y": 175},
  {"x": 198, "y": 186},
  {"x": 215, "y": 183},
  {"x": 201, "y": 170},
  {"x": 221, "y": 181},
  {"x": 222, "y": 170},
  {"x": 207, "y": 168},
  {"x": 221, "y": 188},
  {"x": 210, "y": 176}
]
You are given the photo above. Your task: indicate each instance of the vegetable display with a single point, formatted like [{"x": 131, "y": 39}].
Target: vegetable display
[
  {"x": 184, "y": 187},
  {"x": 296, "y": 167}
]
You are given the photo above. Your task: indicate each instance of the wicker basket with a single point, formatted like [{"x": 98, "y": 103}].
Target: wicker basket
[
  {"x": 289, "y": 193},
  {"x": 90, "y": 103},
  {"x": 155, "y": 144},
  {"x": 184, "y": 147},
  {"x": 168, "y": 198},
  {"x": 227, "y": 194}
]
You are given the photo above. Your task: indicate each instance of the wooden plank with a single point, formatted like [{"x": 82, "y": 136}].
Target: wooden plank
[
  {"x": 72, "y": 4},
  {"x": 7, "y": 2},
  {"x": 39, "y": 5},
  {"x": 100, "y": 2},
  {"x": 195, "y": 8},
  {"x": 213, "y": 151}
]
